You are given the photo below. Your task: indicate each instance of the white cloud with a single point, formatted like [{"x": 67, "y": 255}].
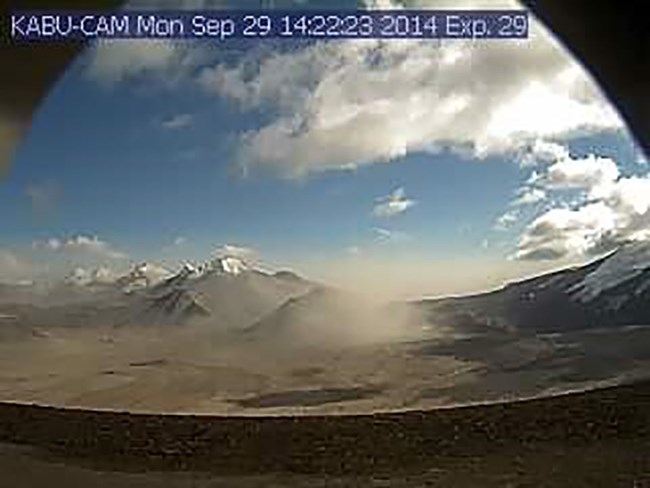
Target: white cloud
[
  {"x": 91, "y": 246},
  {"x": 529, "y": 196},
  {"x": 608, "y": 215},
  {"x": 606, "y": 211},
  {"x": 51, "y": 244},
  {"x": 177, "y": 122},
  {"x": 609, "y": 209},
  {"x": 627, "y": 195},
  {"x": 165, "y": 61},
  {"x": 393, "y": 204},
  {"x": 367, "y": 101},
  {"x": 231, "y": 250},
  {"x": 180, "y": 240},
  {"x": 117, "y": 60},
  {"x": 587, "y": 172},
  {"x": 563, "y": 232},
  {"x": 104, "y": 274},
  {"x": 506, "y": 220},
  {"x": 85, "y": 276},
  {"x": 343, "y": 104},
  {"x": 542, "y": 151}
]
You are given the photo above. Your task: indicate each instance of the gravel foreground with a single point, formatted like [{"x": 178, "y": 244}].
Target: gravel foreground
[{"x": 595, "y": 438}]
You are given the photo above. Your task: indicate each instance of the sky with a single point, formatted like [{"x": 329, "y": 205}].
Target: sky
[{"x": 399, "y": 167}]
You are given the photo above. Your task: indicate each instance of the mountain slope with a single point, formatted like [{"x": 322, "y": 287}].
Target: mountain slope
[
  {"x": 327, "y": 316},
  {"x": 611, "y": 291},
  {"x": 222, "y": 292}
]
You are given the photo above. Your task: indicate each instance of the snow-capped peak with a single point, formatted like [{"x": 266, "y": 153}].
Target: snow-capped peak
[
  {"x": 624, "y": 264},
  {"x": 79, "y": 277},
  {"x": 143, "y": 275},
  {"x": 230, "y": 265},
  {"x": 103, "y": 275}
]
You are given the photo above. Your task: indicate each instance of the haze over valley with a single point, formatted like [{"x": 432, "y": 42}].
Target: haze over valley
[{"x": 225, "y": 337}]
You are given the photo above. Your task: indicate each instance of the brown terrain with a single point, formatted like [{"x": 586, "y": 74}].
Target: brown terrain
[{"x": 594, "y": 438}]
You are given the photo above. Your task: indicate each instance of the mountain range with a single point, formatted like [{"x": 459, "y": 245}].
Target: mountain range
[
  {"x": 227, "y": 293},
  {"x": 224, "y": 291},
  {"x": 613, "y": 290}
]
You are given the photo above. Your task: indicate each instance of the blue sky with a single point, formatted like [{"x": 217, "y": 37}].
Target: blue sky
[{"x": 165, "y": 152}]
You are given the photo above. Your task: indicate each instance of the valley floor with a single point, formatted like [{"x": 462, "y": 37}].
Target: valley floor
[
  {"x": 265, "y": 412},
  {"x": 194, "y": 371}
]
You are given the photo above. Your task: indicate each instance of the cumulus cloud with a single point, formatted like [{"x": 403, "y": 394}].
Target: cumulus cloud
[
  {"x": 337, "y": 105},
  {"x": 168, "y": 61},
  {"x": 542, "y": 151},
  {"x": 51, "y": 244},
  {"x": 604, "y": 209},
  {"x": 628, "y": 196},
  {"x": 144, "y": 274},
  {"x": 84, "y": 276},
  {"x": 111, "y": 61},
  {"x": 610, "y": 210},
  {"x": 104, "y": 274},
  {"x": 393, "y": 204},
  {"x": 236, "y": 251},
  {"x": 179, "y": 121},
  {"x": 506, "y": 220},
  {"x": 563, "y": 232},
  {"x": 346, "y": 103},
  {"x": 91, "y": 246},
  {"x": 588, "y": 172},
  {"x": 529, "y": 196}
]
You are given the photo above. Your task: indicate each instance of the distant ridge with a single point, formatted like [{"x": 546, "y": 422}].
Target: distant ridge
[{"x": 610, "y": 291}]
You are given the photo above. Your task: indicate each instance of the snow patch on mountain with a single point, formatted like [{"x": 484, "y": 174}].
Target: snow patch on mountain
[
  {"x": 626, "y": 263},
  {"x": 228, "y": 265},
  {"x": 143, "y": 275},
  {"x": 224, "y": 291},
  {"x": 231, "y": 265},
  {"x": 85, "y": 277}
]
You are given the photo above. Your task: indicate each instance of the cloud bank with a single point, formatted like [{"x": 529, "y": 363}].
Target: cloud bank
[
  {"x": 611, "y": 209},
  {"x": 350, "y": 103},
  {"x": 92, "y": 246},
  {"x": 337, "y": 105}
]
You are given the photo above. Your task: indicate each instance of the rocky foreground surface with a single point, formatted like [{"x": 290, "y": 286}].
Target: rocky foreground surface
[{"x": 595, "y": 438}]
